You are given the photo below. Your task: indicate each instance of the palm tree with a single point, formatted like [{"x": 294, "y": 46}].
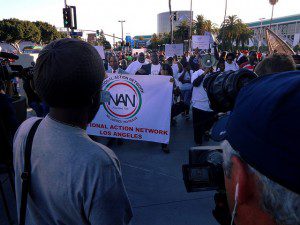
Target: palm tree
[
  {"x": 273, "y": 3},
  {"x": 182, "y": 32}
]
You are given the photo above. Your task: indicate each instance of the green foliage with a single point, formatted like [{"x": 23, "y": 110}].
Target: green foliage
[
  {"x": 182, "y": 32},
  {"x": 11, "y": 30},
  {"x": 201, "y": 25},
  {"x": 234, "y": 30},
  {"x": 14, "y": 30},
  {"x": 48, "y": 32}
]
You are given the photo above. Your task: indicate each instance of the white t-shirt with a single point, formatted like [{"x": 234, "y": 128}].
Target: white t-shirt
[
  {"x": 155, "y": 69},
  {"x": 74, "y": 180},
  {"x": 134, "y": 67},
  {"x": 199, "y": 96},
  {"x": 233, "y": 66}
]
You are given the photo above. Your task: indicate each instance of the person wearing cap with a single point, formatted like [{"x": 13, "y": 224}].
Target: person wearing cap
[
  {"x": 73, "y": 180},
  {"x": 261, "y": 153}
]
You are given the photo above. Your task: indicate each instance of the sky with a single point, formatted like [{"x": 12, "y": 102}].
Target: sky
[{"x": 140, "y": 15}]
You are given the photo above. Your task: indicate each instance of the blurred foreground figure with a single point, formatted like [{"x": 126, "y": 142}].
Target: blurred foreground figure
[
  {"x": 73, "y": 180},
  {"x": 261, "y": 153}
]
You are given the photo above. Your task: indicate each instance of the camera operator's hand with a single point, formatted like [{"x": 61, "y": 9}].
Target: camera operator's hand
[{"x": 221, "y": 212}]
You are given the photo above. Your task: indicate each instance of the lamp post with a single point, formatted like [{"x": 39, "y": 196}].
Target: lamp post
[
  {"x": 273, "y": 3},
  {"x": 260, "y": 34},
  {"x": 122, "y": 21},
  {"x": 191, "y": 26},
  {"x": 171, "y": 20}
]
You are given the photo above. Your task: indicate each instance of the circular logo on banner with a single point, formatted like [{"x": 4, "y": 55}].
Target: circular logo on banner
[{"x": 125, "y": 100}]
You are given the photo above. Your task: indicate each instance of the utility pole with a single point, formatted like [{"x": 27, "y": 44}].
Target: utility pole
[
  {"x": 261, "y": 34},
  {"x": 191, "y": 26},
  {"x": 171, "y": 20},
  {"x": 122, "y": 21}
]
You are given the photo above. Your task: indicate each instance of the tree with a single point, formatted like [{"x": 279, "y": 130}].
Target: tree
[
  {"x": 30, "y": 32},
  {"x": 14, "y": 30},
  {"x": 10, "y": 30},
  {"x": 182, "y": 32},
  {"x": 234, "y": 30},
  {"x": 171, "y": 19},
  {"x": 48, "y": 32},
  {"x": 201, "y": 25}
]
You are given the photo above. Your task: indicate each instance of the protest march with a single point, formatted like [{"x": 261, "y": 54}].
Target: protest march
[{"x": 106, "y": 121}]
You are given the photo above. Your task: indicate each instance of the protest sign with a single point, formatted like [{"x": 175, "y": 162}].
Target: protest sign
[
  {"x": 139, "y": 108},
  {"x": 173, "y": 49},
  {"x": 201, "y": 41},
  {"x": 138, "y": 50},
  {"x": 100, "y": 50}
]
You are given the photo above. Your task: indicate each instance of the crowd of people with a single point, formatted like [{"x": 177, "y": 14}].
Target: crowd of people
[{"x": 75, "y": 180}]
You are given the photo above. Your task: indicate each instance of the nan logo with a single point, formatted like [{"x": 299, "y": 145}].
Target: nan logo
[{"x": 125, "y": 100}]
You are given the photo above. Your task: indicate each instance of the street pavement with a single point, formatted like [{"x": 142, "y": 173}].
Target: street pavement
[{"x": 154, "y": 182}]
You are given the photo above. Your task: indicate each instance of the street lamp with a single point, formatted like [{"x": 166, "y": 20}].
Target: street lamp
[
  {"x": 273, "y": 3},
  {"x": 260, "y": 33},
  {"x": 122, "y": 21},
  {"x": 191, "y": 25}
]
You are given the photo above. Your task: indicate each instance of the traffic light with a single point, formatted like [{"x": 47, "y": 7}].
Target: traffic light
[
  {"x": 69, "y": 15},
  {"x": 175, "y": 16}
]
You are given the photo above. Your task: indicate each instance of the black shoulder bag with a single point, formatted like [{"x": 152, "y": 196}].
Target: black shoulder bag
[{"x": 26, "y": 172}]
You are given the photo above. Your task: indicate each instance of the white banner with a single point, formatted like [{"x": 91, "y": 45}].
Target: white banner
[
  {"x": 201, "y": 41},
  {"x": 100, "y": 50},
  {"x": 139, "y": 50},
  {"x": 173, "y": 49},
  {"x": 139, "y": 108}
]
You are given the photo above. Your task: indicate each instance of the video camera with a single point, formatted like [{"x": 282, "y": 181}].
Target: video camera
[
  {"x": 205, "y": 171},
  {"x": 12, "y": 66}
]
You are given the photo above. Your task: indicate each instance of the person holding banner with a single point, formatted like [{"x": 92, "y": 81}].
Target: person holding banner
[
  {"x": 136, "y": 65},
  {"x": 152, "y": 68},
  {"x": 114, "y": 66}
]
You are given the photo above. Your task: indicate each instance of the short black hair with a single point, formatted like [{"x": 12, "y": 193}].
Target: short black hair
[{"x": 168, "y": 68}]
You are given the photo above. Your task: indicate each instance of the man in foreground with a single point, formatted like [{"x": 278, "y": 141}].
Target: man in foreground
[
  {"x": 261, "y": 153},
  {"x": 74, "y": 180}
]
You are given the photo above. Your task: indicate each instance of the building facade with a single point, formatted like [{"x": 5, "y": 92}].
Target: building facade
[
  {"x": 287, "y": 28},
  {"x": 163, "y": 20}
]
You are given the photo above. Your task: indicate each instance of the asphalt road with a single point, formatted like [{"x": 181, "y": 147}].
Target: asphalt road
[{"x": 154, "y": 182}]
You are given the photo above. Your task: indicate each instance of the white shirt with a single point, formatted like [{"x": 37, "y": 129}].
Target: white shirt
[
  {"x": 233, "y": 66},
  {"x": 134, "y": 67},
  {"x": 155, "y": 69},
  {"x": 199, "y": 96}
]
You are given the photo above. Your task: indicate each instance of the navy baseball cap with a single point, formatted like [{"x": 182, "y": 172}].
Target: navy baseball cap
[{"x": 264, "y": 127}]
